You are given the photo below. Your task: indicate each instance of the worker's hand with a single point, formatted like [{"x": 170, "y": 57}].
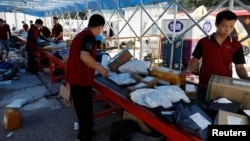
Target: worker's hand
[
  {"x": 186, "y": 72},
  {"x": 104, "y": 72}
]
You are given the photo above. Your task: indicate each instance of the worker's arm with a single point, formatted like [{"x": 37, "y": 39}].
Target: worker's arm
[
  {"x": 241, "y": 71},
  {"x": 90, "y": 61},
  {"x": 59, "y": 36},
  {"x": 191, "y": 66}
]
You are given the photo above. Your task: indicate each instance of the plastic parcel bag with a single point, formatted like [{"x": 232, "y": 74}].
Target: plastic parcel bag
[{"x": 192, "y": 119}]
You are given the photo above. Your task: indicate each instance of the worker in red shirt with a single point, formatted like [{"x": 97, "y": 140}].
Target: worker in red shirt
[
  {"x": 217, "y": 52},
  {"x": 80, "y": 74},
  {"x": 4, "y": 39},
  {"x": 45, "y": 32},
  {"x": 31, "y": 45},
  {"x": 8, "y": 28},
  {"x": 25, "y": 26},
  {"x": 31, "y": 22},
  {"x": 57, "y": 30}
]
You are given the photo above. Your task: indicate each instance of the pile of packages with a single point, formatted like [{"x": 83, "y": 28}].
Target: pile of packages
[{"x": 160, "y": 90}]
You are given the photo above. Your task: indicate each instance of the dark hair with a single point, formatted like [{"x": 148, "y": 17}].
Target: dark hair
[
  {"x": 96, "y": 20},
  {"x": 55, "y": 18},
  {"x": 1, "y": 20},
  {"x": 39, "y": 21},
  {"x": 226, "y": 14}
]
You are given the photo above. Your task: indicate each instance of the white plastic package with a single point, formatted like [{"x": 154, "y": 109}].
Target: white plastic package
[
  {"x": 17, "y": 103},
  {"x": 150, "y": 98},
  {"x": 122, "y": 79},
  {"x": 174, "y": 93},
  {"x": 135, "y": 66},
  {"x": 105, "y": 61}
]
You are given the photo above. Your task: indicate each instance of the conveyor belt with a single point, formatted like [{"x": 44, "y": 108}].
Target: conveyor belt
[{"x": 121, "y": 89}]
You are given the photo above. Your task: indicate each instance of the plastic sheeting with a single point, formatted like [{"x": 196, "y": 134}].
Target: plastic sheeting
[{"x": 43, "y": 8}]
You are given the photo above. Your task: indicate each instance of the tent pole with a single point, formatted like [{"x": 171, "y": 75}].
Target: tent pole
[
  {"x": 141, "y": 47},
  {"x": 5, "y": 16},
  {"x": 231, "y": 4},
  {"x": 173, "y": 36},
  {"x": 24, "y": 15},
  {"x": 15, "y": 20},
  {"x": 243, "y": 5}
]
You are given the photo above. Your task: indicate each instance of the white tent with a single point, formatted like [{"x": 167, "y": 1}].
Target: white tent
[{"x": 49, "y": 8}]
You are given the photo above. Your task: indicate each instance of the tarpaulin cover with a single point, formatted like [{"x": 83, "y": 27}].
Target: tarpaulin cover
[{"x": 52, "y": 7}]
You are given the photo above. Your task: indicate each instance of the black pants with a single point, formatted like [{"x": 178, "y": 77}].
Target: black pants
[
  {"x": 31, "y": 60},
  {"x": 82, "y": 99}
]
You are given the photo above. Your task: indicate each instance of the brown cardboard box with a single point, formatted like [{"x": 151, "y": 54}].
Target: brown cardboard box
[
  {"x": 121, "y": 58},
  {"x": 190, "y": 90},
  {"x": 229, "y": 118},
  {"x": 65, "y": 93},
  {"x": 11, "y": 119},
  {"x": 231, "y": 88}
]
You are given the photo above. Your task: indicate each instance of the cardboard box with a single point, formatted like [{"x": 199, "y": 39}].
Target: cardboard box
[
  {"x": 65, "y": 94},
  {"x": 191, "y": 91},
  {"x": 11, "y": 118},
  {"x": 229, "y": 118},
  {"x": 120, "y": 59},
  {"x": 231, "y": 88}
]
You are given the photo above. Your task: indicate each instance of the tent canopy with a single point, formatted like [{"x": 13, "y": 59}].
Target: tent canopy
[{"x": 43, "y": 8}]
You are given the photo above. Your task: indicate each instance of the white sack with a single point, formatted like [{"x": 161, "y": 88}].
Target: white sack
[
  {"x": 150, "y": 98},
  {"x": 174, "y": 93},
  {"x": 135, "y": 66},
  {"x": 122, "y": 79},
  {"x": 17, "y": 103}
]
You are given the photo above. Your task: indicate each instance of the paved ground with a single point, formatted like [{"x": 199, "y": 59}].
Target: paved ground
[{"x": 45, "y": 117}]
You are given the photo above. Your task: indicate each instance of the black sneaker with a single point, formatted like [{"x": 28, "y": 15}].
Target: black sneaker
[
  {"x": 83, "y": 138},
  {"x": 79, "y": 138}
]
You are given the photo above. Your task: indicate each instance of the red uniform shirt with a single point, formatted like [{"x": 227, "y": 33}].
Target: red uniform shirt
[
  {"x": 57, "y": 29},
  {"x": 32, "y": 36},
  {"x": 78, "y": 72},
  {"x": 25, "y": 27},
  {"x": 45, "y": 32},
  {"x": 4, "y": 32},
  {"x": 217, "y": 59}
]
